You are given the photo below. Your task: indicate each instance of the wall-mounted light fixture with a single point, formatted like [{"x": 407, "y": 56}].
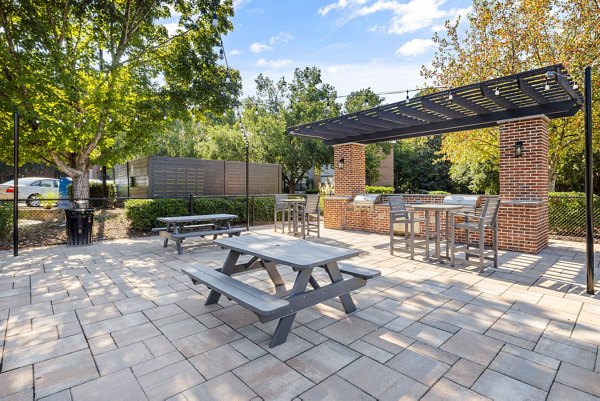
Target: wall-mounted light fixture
[
  {"x": 341, "y": 163},
  {"x": 518, "y": 148}
]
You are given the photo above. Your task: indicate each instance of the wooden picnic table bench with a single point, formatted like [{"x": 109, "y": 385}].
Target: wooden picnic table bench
[
  {"x": 181, "y": 227},
  {"x": 302, "y": 256}
]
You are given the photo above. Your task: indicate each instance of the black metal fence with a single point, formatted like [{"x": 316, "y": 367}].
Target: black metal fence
[{"x": 566, "y": 216}]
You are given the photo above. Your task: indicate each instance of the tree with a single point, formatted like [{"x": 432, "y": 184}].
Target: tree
[
  {"x": 505, "y": 37},
  {"x": 374, "y": 153},
  {"x": 94, "y": 79},
  {"x": 279, "y": 105},
  {"x": 419, "y": 166}
]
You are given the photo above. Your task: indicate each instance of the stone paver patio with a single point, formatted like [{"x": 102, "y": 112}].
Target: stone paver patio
[{"x": 118, "y": 321}]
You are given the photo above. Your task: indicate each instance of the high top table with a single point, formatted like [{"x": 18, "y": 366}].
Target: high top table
[{"x": 437, "y": 208}]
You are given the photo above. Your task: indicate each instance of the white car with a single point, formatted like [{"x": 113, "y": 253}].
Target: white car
[{"x": 31, "y": 189}]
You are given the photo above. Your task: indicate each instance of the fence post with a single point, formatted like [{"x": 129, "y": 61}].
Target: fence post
[{"x": 191, "y": 205}]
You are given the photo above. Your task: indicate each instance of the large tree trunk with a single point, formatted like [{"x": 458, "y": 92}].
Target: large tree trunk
[{"x": 81, "y": 186}]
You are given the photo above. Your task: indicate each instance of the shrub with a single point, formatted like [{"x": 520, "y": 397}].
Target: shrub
[
  {"x": 311, "y": 191},
  {"x": 143, "y": 212},
  {"x": 379, "y": 190},
  {"x": 261, "y": 206},
  {"x": 438, "y": 193},
  {"x": 49, "y": 199},
  {"x": 6, "y": 215}
]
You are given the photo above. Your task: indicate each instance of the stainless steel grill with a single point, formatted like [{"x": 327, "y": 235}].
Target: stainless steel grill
[
  {"x": 366, "y": 201},
  {"x": 468, "y": 201}
]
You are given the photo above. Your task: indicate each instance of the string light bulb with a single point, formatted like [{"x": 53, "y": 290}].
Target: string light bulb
[
  {"x": 215, "y": 20},
  {"x": 575, "y": 86},
  {"x": 110, "y": 119},
  {"x": 497, "y": 92},
  {"x": 450, "y": 96},
  {"x": 407, "y": 98},
  {"x": 227, "y": 79},
  {"x": 221, "y": 54},
  {"x": 136, "y": 118},
  {"x": 165, "y": 116},
  {"x": 84, "y": 120},
  {"x": 547, "y": 86}
]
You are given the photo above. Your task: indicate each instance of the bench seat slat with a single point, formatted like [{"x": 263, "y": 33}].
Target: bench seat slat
[
  {"x": 203, "y": 233},
  {"x": 251, "y": 298},
  {"x": 358, "y": 271}
]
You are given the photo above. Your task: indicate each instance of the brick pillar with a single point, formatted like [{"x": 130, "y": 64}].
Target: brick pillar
[
  {"x": 523, "y": 216},
  {"x": 350, "y": 180}
]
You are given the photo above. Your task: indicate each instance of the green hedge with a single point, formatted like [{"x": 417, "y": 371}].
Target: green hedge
[
  {"x": 143, "y": 212},
  {"x": 438, "y": 193},
  {"x": 379, "y": 190},
  {"x": 6, "y": 215}
]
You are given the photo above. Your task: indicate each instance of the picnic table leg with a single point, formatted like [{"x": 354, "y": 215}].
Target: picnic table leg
[
  {"x": 227, "y": 269},
  {"x": 285, "y": 323},
  {"x": 179, "y": 248},
  {"x": 335, "y": 275},
  {"x": 165, "y": 242},
  {"x": 273, "y": 273}
]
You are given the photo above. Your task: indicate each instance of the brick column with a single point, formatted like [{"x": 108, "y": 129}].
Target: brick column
[
  {"x": 523, "y": 216},
  {"x": 350, "y": 180}
]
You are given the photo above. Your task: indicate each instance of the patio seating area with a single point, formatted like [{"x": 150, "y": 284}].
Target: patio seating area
[{"x": 119, "y": 320}]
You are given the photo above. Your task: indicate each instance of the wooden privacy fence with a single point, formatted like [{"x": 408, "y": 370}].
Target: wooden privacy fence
[{"x": 157, "y": 176}]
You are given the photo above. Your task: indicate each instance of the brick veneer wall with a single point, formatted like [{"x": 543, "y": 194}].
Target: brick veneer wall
[
  {"x": 523, "y": 217},
  {"x": 351, "y": 180}
]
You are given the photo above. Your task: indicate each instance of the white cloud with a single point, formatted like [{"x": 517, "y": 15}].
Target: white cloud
[
  {"x": 259, "y": 47},
  {"x": 275, "y": 64},
  {"x": 340, "y": 5},
  {"x": 415, "y": 47},
  {"x": 282, "y": 37},
  {"x": 406, "y": 16},
  {"x": 172, "y": 28},
  {"x": 237, "y": 4},
  {"x": 235, "y": 52}
]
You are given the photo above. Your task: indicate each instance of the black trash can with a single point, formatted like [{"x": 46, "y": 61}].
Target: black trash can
[{"x": 80, "y": 223}]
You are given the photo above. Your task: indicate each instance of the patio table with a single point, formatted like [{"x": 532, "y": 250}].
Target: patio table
[
  {"x": 437, "y": 208},
  {"x": 300, "y": 255}
]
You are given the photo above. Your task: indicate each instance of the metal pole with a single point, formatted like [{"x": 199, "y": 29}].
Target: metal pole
[
  {"x": 589, "y": 183},
  {"x": 104, "y": 189},
  {"x": 16, "y": 188},
  {"x": 247, "y": 185},
  {"x": 191, "y": 204}
]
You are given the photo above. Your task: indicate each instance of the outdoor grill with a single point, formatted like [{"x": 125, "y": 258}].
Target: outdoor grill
[
  {"x": 366, "y": 201},
  {"x": 468, "y": 201}
]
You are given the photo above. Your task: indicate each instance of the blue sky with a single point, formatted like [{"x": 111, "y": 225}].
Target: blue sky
[{"x": 357, "y": 44}]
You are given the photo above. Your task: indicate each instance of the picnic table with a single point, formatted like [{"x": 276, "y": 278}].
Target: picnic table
[
  {"x": 300, "y": 255},
  {"x": 182, "y": 227}
]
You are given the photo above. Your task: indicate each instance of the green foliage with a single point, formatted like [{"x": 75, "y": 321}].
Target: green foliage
[
  {"x": 438, "y": 193},
  {"x": 379, "y": 190},
  {"x": 49, "y": 199},
  {"x": 312, "y": 191},
  {"x": 143, "y": 212},
  {"x": 93, "y": 80},
  {"x": 419, "y": 166},
  {"x": 6, "y": 217}
]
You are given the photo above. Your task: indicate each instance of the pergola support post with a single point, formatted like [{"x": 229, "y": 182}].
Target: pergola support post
[
  {"x": 523, "y": 215},
  {"x": 589, "y": 182},
  {"x": 349, "y": 180}
]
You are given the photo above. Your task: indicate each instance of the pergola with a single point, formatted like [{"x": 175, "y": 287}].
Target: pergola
[
  {"x": 520, "y": 105},
  {"x": 546, "y": 91}
]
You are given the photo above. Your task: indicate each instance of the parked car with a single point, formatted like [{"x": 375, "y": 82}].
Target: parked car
[{"x": 31, "y": 189}]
